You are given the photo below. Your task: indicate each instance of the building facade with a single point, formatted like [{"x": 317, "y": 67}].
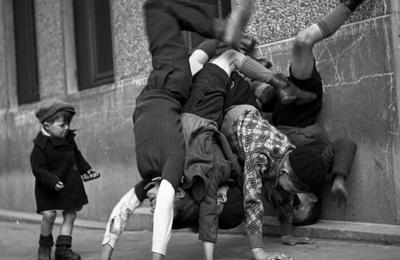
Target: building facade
[{"x": 94, "y": 54}]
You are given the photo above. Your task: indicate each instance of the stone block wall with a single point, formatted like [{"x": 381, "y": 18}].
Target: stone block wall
[
  {"x": 358, "y": 66},
  {"x": 359, "y": 103}
]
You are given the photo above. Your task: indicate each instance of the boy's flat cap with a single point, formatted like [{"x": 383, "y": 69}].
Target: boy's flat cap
[{"x": 49, "y": 108}]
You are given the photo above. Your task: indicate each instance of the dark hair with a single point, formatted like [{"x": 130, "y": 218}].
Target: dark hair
[
  {"x": 65, "y": 115},
  {"x": 306, "y": 216},
  {"x": 233, "y": 212},
  {"x": 186, "y": 212}
]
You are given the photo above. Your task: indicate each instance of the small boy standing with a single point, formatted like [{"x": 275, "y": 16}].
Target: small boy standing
[{"x": 59, "y": 169}]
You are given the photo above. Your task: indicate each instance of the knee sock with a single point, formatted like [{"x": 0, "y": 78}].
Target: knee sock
[
  {"x": 46, "y": 241},
  {"x": 331, "y": 22},
  {"x": 255, "y": 71},
  {"x": 64, "y": 241}
]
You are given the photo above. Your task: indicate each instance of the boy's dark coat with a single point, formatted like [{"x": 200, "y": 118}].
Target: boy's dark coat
[{"x": 53, "y": 160}]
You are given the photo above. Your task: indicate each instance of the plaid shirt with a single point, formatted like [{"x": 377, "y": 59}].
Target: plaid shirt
[{"x": 261, "y": 147}]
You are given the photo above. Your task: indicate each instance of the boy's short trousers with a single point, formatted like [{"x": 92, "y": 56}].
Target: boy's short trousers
[
  {"x": 207, "y": 96},
  {"x": 301, "y": 115}
]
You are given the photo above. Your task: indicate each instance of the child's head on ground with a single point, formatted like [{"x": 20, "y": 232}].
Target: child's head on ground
[{"x": 307, "y": 209}]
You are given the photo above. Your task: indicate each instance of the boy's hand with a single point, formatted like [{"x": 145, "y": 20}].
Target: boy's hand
[
  {"x": 291, "y": 240},
  {"x": 261, "y": 254},
  {"x": 59, "y": 186},
  {"x": 90, "y": 175}
]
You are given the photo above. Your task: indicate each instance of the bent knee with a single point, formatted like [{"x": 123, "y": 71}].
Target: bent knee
[
  {"x": 69, "y": 214},
  {"x": 307, "y": 37},
  {"x": 304, "y": 40},
  {"x": 49, "y": 215}
]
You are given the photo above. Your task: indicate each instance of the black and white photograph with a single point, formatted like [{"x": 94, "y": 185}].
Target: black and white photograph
[{"x": 200, "y": 129}]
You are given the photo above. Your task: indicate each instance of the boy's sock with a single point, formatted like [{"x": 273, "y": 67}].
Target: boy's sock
[
  {"x": 331, "y": 22},
  {"x": 46, "y": 241},
  {"x": 255, "y": 71},
  {"x": 209, "y": 47}
]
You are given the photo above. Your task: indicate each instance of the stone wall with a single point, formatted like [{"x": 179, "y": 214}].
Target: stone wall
[
  {"x": 273, "y": 21},
  {"x": 360, "y": 94},
  {"x": 360, "y": 102}
]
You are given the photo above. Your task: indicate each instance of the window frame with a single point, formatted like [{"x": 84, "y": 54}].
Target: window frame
[
  {"x": 26, "y": 58},
  {"x": 86, "y": 42}
]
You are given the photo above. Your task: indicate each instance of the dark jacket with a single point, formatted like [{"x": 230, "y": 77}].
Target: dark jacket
[
  {"x": 209, "y": 164},
  {"x": 52, "y": 160}
]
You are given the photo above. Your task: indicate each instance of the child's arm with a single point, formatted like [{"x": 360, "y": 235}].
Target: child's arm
[
  {"x": 285, "y": 219},
  {"x": 85, "y": 170},
  {"x": 90, "y": 175},
  {"x": 83, "y": 165},
  {"x": 162, "y": 220},
  {"x": 208, "y": 212},
  {"x": 208, "y": 248},
  {"x": 117, "y": 221},
  {"x": 39, "y": 168},
  {"x": 208, "y": 224}
]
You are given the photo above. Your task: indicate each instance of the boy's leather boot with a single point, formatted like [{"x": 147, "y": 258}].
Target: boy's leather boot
[
  {"x": 247, "y": 44},
  {"x": 63, "y": 249},
  {"x": 288, "y": 92},
  {"x": 45, "y": 244}
]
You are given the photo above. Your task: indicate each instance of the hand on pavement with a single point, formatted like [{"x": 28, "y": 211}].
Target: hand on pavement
[{"x": 291, "y": 240}]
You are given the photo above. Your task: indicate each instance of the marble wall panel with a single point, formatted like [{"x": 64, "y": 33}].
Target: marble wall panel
[
  {"x": 277, "y": 20},
  {"x": 49, "y": 36},
  {"x": 359, "y": 103},
  {"x": 132, "y": 58}
]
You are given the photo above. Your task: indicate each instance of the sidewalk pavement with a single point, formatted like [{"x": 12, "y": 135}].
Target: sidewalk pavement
[
  {"x": 324, "y": 229},
  {"x": 19, "y": 235}
]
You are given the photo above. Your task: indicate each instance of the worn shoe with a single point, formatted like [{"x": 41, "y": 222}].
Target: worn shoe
[
  {"x": 352, "y": 4},
  {"x": 288, "y": 92},
  {"x": 236, "y": 23},
  {"x": 357, "y": 2},
  {"x": 45, "y": 244},
  {"x": 265, "y": 62},
  {"x": 247, "y": 44},
  {"x": 264, "y": 92},
  {"x": 65, "y": 253},
  {"x": 44, "y": 253}
]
